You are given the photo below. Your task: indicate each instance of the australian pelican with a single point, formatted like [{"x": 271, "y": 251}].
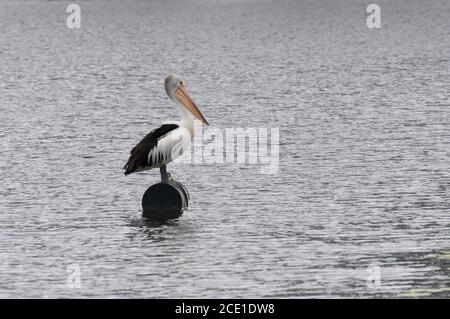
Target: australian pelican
[{"x": 164, "y": 144}]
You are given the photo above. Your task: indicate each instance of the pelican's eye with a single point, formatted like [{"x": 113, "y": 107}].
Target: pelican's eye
[{"x": 181, "y": 82}]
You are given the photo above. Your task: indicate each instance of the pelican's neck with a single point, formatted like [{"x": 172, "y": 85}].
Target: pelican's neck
[{"x": 187, "y": 119}]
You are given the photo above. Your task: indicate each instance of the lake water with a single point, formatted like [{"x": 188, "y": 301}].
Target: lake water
[{"x": 360, "y": 206}]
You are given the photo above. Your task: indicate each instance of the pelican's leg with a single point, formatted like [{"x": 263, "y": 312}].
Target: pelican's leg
[{"x": 164, "y": 175}]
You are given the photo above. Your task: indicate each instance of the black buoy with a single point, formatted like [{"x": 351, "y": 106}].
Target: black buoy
[{"x": 165, "y": 200}]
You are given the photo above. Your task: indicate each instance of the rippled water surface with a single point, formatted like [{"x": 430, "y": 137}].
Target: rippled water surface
[{"x": 362, "y": 192}]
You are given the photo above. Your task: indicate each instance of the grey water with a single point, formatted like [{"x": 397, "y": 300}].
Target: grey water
[{"x": 359, "y": 206}]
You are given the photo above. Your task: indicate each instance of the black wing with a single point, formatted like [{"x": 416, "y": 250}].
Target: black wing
[{"x": 139, "y": 153}]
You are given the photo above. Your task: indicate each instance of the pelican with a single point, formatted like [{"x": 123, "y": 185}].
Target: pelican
[{"x": 162, "y": 145}]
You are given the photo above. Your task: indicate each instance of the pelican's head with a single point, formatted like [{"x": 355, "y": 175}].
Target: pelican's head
[{"x": 177, "y": 92}]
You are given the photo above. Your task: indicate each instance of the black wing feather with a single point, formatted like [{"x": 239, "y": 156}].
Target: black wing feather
[{"x": 139, "y": 153}]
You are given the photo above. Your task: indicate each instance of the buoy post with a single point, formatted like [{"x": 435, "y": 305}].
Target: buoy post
[{"x": 165, "y": 200}]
